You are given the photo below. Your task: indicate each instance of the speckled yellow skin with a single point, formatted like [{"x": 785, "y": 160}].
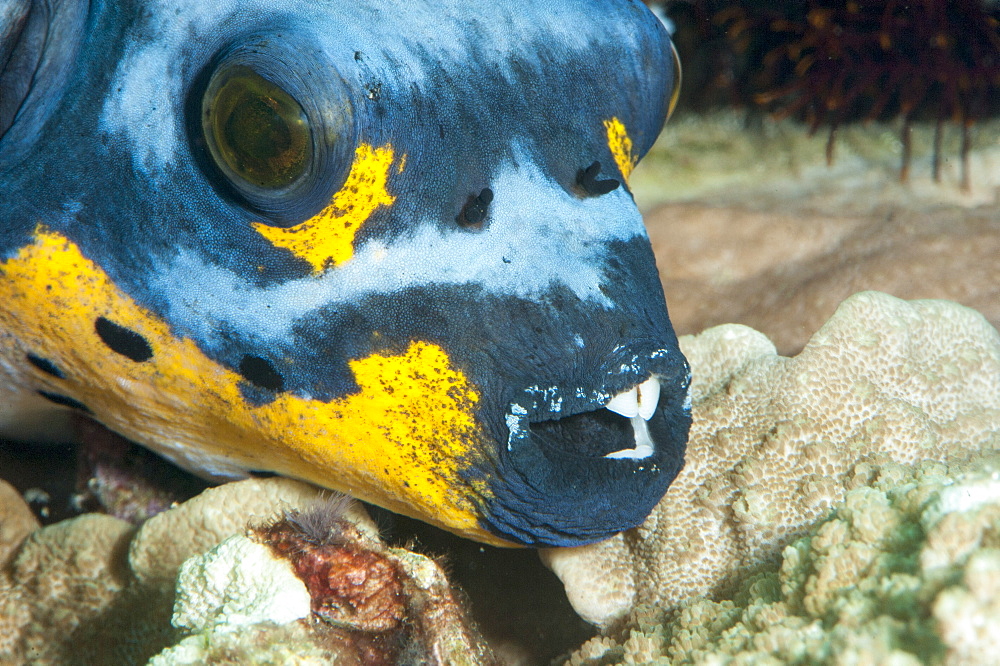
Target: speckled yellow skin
[
  {"x": 620, "y": 145},
  {"x": 399, "y": 441},
  {"x": 327, "y": 239}
]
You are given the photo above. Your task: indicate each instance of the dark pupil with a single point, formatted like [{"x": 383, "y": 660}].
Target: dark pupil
[{"x": 260, "y": 132}]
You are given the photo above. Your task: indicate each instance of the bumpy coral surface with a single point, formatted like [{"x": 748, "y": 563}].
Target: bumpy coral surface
[
  {"x": 96, "y": 589},
  {"x": 778, "y": 442},
  {"x": 905, "y": 571},
  {"x": 239, "y": 582}
]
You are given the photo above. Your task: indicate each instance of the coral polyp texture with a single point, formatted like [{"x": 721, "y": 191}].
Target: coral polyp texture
[
  {"x": 778, "y": 442},
  {"x": 905, "y": 571}
]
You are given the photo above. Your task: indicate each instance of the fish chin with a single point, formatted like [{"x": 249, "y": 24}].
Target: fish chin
[{"x": 581, "y": 466}]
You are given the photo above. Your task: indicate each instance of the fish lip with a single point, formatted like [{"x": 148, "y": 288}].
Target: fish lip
[
  {"x": 540, "y": 403},
  {"x": 570, "y": 483}
]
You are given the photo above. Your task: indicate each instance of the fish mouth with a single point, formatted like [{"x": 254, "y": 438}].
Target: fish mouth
[
  {"x": 617, "y": 429},
  {"x": 581, "y": 465}
]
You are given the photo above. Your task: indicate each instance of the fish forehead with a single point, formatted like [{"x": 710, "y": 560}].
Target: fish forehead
[
  {"x": 412, "y": 39},
  {"x": 163, "y": 233},
  {"x": 539, "y": 236}
]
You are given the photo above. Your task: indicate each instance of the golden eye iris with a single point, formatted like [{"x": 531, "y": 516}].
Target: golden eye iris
[{"x": 255, "y": 130}]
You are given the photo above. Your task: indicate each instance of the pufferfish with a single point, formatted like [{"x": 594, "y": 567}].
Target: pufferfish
[{"x": 384, "y": 246}]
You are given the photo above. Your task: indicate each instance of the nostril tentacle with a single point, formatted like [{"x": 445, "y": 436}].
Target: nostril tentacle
[
  {"x": 587, "y": 180},
  {"x": 474, "y": 211}
]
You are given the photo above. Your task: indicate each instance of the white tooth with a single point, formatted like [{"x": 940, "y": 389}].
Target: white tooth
[
  {"x": 626, "y": 404},
  {"x": 649, "y": 395},
  {"x": 643, "y": 442}
]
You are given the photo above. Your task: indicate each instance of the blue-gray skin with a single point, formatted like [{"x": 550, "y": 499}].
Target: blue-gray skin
[{"x": 545, "y": 296}]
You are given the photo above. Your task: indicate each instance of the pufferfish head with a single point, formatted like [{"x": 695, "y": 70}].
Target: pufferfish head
[{"x": 385, "y": 247}]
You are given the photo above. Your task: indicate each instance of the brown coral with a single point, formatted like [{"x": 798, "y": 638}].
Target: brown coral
[
  {"x": 353, "y": 583},
  {"x": 171, "y": 537},
  {"x": 59, "y": 577},
  {"x": 776, "y": 442}
]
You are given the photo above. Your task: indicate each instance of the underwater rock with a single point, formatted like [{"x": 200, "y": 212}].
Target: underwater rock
[
  {"x": 783, "y": 271},
  {"x": 96, "y": 589},
  {"x": 905, "y": 570},
  {"x": 778, "y": 442}
]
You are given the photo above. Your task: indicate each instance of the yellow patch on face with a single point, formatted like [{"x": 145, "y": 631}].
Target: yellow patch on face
[
  {"x": 400, "y": 441},
  {"x": 327, "y": 238},
  {"x": 620, "y": 145}
]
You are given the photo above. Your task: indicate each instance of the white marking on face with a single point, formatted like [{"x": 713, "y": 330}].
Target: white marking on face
[
  {"x": 538, "y": 237},
  {"x": 162, "y": 54},
  {"x": 517, "y": 426},
  {"x": 146, "y": 102}
]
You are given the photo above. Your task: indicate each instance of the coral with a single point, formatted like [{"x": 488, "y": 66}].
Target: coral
[
  {"x": 351, "y": 579},
  {"x": 777, "y": 443},
  {"x": 95, "y": 589},
  {"x": 898, "y": 573},
  {"x": 16, "y": 520},
  {"x": 366, "y": 603},
  {"x": 296, "y": 643},
  {"x": 442, "y": 631},
  {"x": 784, "y": 272},
  {"x": 239, "y": 582},
  {"x": 61, "y": 578},
  {"x": 866, "y": 58},
  {"x": 117, "y": 477},
  {"x": 192, "y": 528}
]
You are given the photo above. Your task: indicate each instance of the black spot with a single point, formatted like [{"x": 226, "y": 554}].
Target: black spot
[
  {"x": 124, "y": 341},
  {"x": 474, "y": 211},
  {"x": 64, "y": 400},
  {"x": 261, "y": 474},
  {"x": 586, "y": 179},
  {"x": 260, "y": 372},
  {"x": 45, "y": 365}
]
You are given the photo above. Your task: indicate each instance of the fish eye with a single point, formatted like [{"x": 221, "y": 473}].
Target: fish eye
[
  {"x": 256, "y": 132},
  {"x": 273, "y": 126}
]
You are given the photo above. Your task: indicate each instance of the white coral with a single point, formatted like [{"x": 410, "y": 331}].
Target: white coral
[{"x": 237, "y": 583}]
